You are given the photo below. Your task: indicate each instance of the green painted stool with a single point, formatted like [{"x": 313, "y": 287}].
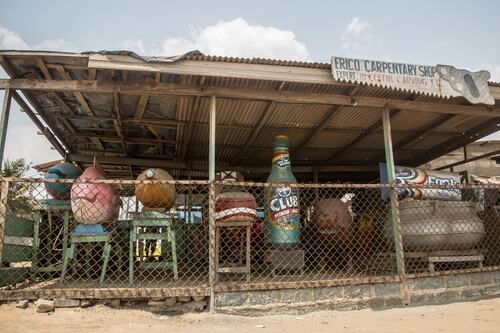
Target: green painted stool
[
  {"x": 48, "y": 215},
  {"x": 88, "y": 239},
  {"x": 158, "y": 226}
]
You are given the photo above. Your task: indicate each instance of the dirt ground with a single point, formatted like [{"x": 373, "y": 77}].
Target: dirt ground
[{"x": 480, "y": 316}]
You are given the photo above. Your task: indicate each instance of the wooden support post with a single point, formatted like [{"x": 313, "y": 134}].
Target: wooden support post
[
  {"x": 4, "y": 194},
  {"x": 4, "y": 122},
  {"x": 211, "y": 203},
  {"x": 396, "y": 225}
]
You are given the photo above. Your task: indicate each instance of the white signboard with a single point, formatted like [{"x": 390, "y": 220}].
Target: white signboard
[{"x": 440, "y": 80}]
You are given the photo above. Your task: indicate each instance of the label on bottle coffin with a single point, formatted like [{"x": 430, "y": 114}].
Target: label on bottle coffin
[
  {"x": 281, "y": 158},
  {"x": 284, "y": 211}
]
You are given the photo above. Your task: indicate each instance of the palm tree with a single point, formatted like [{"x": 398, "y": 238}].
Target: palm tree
[
  {"x": 15, "y": 168},
  {"x": 19, "y": 198}
]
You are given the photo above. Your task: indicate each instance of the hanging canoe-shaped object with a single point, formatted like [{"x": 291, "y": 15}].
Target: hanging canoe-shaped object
[
  {"x": 94, "y": 203},
  {"x": 156, "y": 195}
]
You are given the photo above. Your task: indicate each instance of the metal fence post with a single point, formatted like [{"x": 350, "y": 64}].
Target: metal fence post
[
  {"x": 211, "y": 204},
  {"x": 396, "y": 223},
  {"x": 4, "y": 193}
]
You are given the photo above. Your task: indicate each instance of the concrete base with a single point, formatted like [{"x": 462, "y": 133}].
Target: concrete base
[{"x": 423, "y": 291}]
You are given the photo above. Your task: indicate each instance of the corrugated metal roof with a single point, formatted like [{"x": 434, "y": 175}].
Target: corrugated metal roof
[{"x": 238, "y": 119}]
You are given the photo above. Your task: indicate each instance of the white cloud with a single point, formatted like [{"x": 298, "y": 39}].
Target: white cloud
[
  {"x": 177, "y": 45},
  {"x": 357, "y": 35},
  {"x": 24, "y": 142},
  {"x": 57, "y": 44},
  {"x": 135, "y": 45},
  {"x": 236, "y": 38},
  {"x": 9, "y": 40},
  {"x": 494, "y": 71}
]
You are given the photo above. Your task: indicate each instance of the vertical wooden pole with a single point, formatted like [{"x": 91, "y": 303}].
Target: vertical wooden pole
[
  {"x": 4, "y": 121},
  {"x": 316, "y": 181},
  {"x": 396, "y": 225},
  {"x": 211, "y": 203},
  {"x": 4, "y": 193}
]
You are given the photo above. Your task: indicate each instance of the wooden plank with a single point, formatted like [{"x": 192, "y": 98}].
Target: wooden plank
[
  {"x": 141, "y": 106},
  {"x": 4, "y": 122},
  {"x": 257, "y": 169},
  {"x": 468, "y": 160},
  {"x": 117, "y": 139},
  {"x": 92, "y": 73},
  {"x": 215, "y": 68},
  {"x": 82, "y": 101},
  {"x": 48, "y": 134},
  {"x": 485, "y": 128},
  {"x": 153, "y": 89},
  {"x": 43, "y": 67},
  {"x": 118, "y": 121},
  {"x": 78, "y": 95}
]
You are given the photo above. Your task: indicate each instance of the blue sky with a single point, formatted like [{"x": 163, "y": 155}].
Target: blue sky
[{"x": 460, "y": 33}]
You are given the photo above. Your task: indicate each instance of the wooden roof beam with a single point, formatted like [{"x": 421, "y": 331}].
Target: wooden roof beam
[
  {"x": 370, "y": 130},
  {"x": 81, "y": 100},
  {"x": 419, "y": 133},
  {"x": 323, "y": 123},
  {"x": 142, "y": 103},
  {"x": 485, "y": 128},
  {"x": 260, "y": 124},
  {"x": 293, "y": 97},
  {"x": 51, "y": 132},
  {"x": 160, "y": 163},
  {"x": 134, "y": 140},
  {"x": 118, "y": 123}
]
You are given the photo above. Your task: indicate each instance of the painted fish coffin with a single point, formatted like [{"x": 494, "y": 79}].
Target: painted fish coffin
[
  {"x": 94, "y": 203},
  {"x": 61, "y": 191}
]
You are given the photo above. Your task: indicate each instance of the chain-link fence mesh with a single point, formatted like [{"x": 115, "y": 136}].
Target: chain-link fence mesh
[{"x": 98, "y": 234}]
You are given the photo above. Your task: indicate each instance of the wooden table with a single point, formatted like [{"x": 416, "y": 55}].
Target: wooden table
[{"x": 245, "y": 248}]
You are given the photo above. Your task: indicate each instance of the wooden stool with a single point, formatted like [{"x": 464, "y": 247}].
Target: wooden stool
[
  {"x": 44, "y": 229},
  {"x": 166, "y": 233},
  {"x": 245, "y": 247},
  {"x": 88, "y": 239}
]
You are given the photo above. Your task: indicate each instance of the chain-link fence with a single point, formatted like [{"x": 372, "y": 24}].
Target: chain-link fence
[
  {"x": 230, "y": 235},
  {"x": 97, "y": 234}
]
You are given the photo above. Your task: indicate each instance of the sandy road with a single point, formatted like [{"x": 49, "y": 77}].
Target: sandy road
[{"x": 480, "y": 316}]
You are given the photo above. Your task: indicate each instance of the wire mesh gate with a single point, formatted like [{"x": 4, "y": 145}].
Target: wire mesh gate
[{"x": 221, "y": 236}]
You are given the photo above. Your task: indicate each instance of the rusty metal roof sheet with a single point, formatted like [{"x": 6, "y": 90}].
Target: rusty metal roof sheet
[{"x": 175, "y": 127}]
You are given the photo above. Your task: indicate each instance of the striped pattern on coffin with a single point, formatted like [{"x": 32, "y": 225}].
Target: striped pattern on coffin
[{"x": 235, "y": 206}]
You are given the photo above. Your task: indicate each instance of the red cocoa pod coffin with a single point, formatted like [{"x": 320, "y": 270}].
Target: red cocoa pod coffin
[{"x": 235, "y": 206}]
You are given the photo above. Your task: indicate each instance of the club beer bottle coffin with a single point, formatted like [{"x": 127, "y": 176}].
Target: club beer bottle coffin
[{"x": 282, "y": 202}]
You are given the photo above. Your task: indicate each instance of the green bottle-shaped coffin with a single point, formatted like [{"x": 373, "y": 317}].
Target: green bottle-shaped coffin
[{"x": 282, "y": 202}]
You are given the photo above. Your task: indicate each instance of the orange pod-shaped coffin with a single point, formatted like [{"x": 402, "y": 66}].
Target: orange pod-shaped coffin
[
  {"x": 94, "y": 203},
  {"x": 156, "y": 195}
]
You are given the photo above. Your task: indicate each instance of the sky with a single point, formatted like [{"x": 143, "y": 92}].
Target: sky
[{"x": 459, "y": 33}]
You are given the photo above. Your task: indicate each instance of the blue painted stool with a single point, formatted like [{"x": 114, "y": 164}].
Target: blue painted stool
[{"x": 88, "y": 234}]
